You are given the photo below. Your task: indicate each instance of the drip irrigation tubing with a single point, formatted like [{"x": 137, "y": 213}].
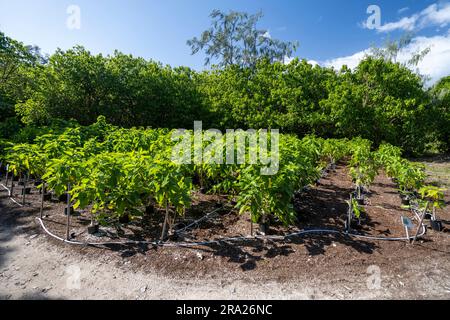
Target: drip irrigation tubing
[
  {"x": 11, "y": 198},
  {"x": 414, "y": 209},
  {"x": 5, "y": 187},
  {"x": 196, "y": 222},
  {"x": 231, "y": 239}
]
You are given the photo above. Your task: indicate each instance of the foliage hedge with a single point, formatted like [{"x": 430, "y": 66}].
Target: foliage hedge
[{"x": 380, "y": 100}]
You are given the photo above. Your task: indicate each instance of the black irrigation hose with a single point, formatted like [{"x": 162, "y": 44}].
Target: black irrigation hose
[{"x": 231, "y": 239}]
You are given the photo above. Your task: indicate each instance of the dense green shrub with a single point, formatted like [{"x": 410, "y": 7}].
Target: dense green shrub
[{"x": 379, "y": 100}]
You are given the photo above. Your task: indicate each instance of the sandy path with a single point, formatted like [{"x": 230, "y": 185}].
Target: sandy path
[{"x": 33, "y": 268}]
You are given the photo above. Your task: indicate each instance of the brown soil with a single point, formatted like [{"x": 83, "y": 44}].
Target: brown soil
[{"x": 335, "y": 266}]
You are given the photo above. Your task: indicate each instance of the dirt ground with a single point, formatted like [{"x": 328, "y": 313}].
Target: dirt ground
[{"x": 35, "y": 266}]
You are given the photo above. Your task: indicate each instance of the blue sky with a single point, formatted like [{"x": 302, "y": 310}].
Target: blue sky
[{"x": 329, "y": 31}]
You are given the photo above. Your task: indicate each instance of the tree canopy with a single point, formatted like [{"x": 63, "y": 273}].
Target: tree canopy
[
  {"x": 381, "y": 100},
  {"x": 234, "y": 39}
]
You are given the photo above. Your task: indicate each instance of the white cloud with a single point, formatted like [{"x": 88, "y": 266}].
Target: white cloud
[
  {"x": 267, "y": 35},
  {"x": 288, "y": 60},
  {"x": 350, "y": 61},
  {"x": 435, "y": 65},
  {"x": 433, "y": 15},
  {"x": 400, "y": 11},
  {"x": 406, "y": 24}
]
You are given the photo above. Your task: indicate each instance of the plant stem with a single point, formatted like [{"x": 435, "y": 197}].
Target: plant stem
[{"x": 166, "y": 218}]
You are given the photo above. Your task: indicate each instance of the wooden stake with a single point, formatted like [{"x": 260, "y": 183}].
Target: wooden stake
[
  {"x": 350, "y": 213},
  {"x": 251, "y": 225},
  {"x": 68, "y": 212},
  {"x": 7, "y": 177},
  {"x": 407, "y": 235},
  {"x": 24, "y": 189},
  {"x": 42, "y": 199},
  {"x": 421, "y": 222},
  {"x": 12, "y": 186}
]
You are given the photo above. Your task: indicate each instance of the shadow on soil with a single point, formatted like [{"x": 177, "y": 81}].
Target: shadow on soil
[
  {"x": 324, "y": 207},
  {"x": 30, "y": 296},
  {"x": 14, "y": 221}
]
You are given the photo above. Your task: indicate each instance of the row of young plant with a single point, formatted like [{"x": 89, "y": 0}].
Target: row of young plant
[
  {"x": 410, "y": 179},
  {"x": 408, "y": 176},
  {"x": 111, "y": 171},
  {"x": 117, "y": 173}
]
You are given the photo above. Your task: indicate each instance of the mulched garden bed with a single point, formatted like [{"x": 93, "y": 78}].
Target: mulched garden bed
[{"x": 323, "y": 206}]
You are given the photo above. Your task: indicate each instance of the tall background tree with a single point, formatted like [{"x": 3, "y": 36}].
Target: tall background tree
[
  {"x": 440, "y": 94},
  {"x": 235, "y": 39}
]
